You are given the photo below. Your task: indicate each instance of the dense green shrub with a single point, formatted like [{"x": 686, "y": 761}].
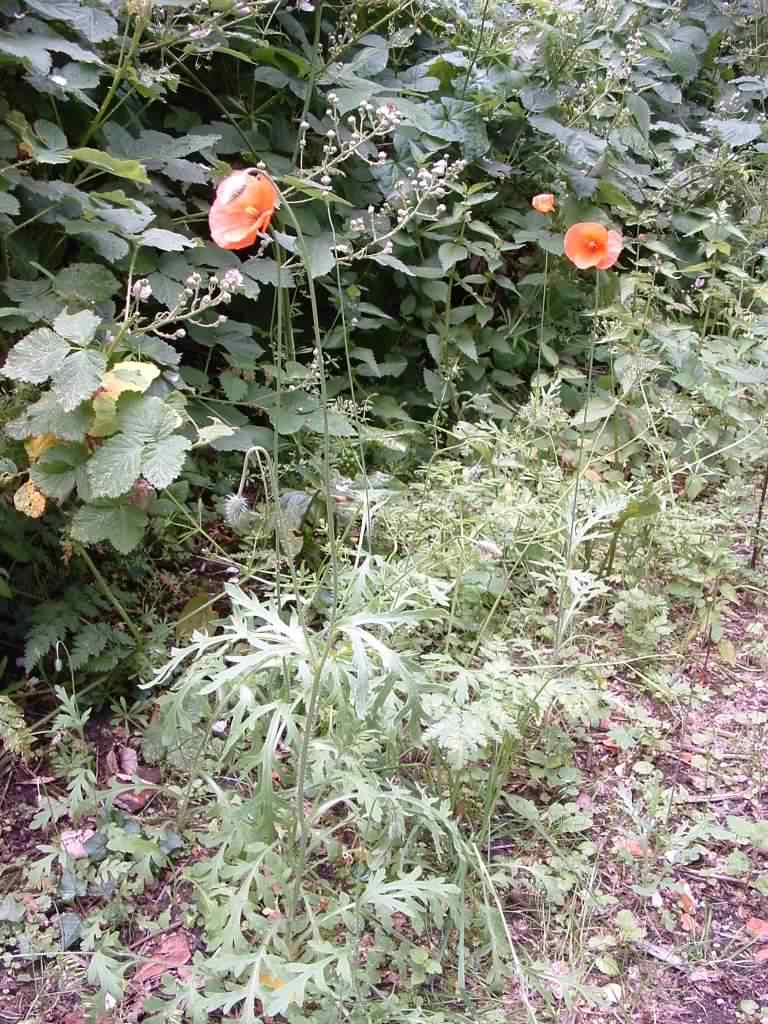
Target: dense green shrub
[{"x": 407, "y": 278}]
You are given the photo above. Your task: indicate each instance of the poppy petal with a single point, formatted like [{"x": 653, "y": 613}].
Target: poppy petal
[
  {"x": 243, "y": 208},
  {"x": 544, "y": 202},
  {"x": 613, "y": 247}
]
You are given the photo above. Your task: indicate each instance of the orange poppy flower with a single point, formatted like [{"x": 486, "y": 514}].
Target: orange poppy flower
[
  {"x": 544, "y": 202},
  {"x": 592, "y": 245},
  {"x": 243, "y": 208}
]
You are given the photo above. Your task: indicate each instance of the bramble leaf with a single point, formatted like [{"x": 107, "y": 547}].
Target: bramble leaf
[
  {"x": 36, "y": 357},
  {"x": 121, "y": 524}
]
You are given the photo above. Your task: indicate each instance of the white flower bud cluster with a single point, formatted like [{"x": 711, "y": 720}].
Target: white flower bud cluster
[{"x": 198, "y": 296}]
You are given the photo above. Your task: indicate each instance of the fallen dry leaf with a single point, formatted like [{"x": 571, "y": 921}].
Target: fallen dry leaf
[
  {"x": 172, "y": 952},
  {"x": 762, "y": 955},
  {"x": 686, "y": 900},
  {"x": 129, "y": 760},
  {"x": 687, "y": 923},
  {"x": 73, "y": 841},
  {"x": 758, "y": 927},
  {"x": 635, "y": 848}
]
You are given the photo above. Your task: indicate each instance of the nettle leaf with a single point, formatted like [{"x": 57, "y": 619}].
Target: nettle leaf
[
  {"x": 162, "y": 462},
  {"x": 60, "y": 469},
  {"x": 132, "y": 170},
  {"x": 121, "y": 524},
  {"x": 86, "y": 283},
  {"x": 77, "y": 327},
  {"x": 115, "y": 467},
  {"x": 35, "y": 358},
  {"x": 78, "y": 378},
  {"x": 46, "y": 416},
  {"x": 168, "y": 241}
]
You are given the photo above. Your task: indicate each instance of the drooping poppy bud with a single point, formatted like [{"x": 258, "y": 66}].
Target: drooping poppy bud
[
  {"x": 243, "y": 208},
  {"x": 591, "y": 245},
  {"x": 544, "y": 202}
]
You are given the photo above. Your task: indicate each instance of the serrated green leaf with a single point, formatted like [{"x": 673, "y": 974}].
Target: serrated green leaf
[
  {"x": 60, "y": 469},
  {"x": 95, "y": 24},
  {"x": 146, "y": 419},
  {"x": 131, "y": 170},
  {"x": 78, "y": 378},
  {"x": 34, "y": 50},
  {"x": 115, "y": 467},
  {"x": 36, "y": 357},
  {"x": 162, "y": 462},
  {"x": 168, "y": 241},
  {"x": 86, "y": 283},
  {"x": 77, "y": 327},
  {"x": 103, "y": 972},
  {"x": 122, "y": 525},
  {"x": 46, "y": 416}
]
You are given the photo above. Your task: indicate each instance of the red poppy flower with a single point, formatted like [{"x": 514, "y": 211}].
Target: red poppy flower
[
  {"x": 592, "y": 245},
  {"x": 544, "y": 202},
  {"x": 243, "y": 208}
]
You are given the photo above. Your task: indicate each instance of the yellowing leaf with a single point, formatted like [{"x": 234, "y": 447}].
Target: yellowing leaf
[
  {"x": 271, "y": 982},
  {"x": 129, "y": 376},
  {"x": 29, "y": 501},
  {"x": 38, "y": 444},
  {"x": 197, "y": 614}
]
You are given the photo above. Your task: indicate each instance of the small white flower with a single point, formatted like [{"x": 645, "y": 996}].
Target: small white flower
[{"x": 232, "y": 280}]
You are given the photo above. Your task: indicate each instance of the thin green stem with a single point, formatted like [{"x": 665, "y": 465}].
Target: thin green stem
[{"x": 110, "y": 595}]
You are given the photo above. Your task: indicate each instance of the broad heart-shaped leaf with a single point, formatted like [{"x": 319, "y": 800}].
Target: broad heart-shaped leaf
[
  {"x": 146, "y": 419},
  {"x": 735, "y": 133},
  {"x": 78, "y": 377},
  {"x": 46, "y": 416},
  {"x": 115, "y": 467},
  {"x": 450, "y": 253},
  {"x": 77, "y": 327},
  {"x": 168, "y": 241},
  {"x": 162, "y": 462},
  {"x": 85, "y": 283},
  {"x": 36, "y": 357},
  {"x": 320, "y": 254},
  {"x": 60, "y": 469},
  {"x": 120, "y": 523},
  {"x": 9, "y": 204},
  {"x": 132, "y": 170},
  {"x": 94, "y": 24},
  {"x": 385, "y": 259},
  {"x": 34, "y": 49}
]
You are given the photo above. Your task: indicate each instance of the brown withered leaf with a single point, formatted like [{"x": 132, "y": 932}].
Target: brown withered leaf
[{"x": 172, "y": 952}]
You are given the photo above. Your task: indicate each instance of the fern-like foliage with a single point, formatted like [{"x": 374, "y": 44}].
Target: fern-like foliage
[{"x": 15, "y": 735}]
